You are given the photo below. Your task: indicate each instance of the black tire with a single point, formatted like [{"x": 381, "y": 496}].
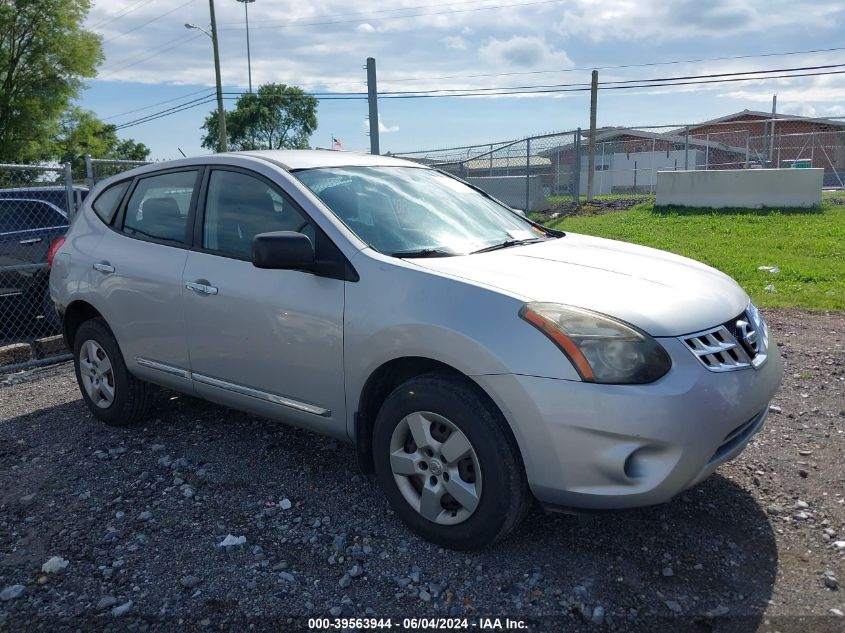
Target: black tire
[
  {"x": 132, "y": 397},
  {"x": 504, "y": 497}
]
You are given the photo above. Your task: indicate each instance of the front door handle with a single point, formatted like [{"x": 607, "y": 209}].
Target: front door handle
[
  {"x": 202, "y": 288},
  {"x": 104, "y": 267},
  {"x": 31, "y": 240}
]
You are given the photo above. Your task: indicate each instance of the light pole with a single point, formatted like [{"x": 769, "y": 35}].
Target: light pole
[
  {"x": 221, "y": 113},
  {"x": 246, "y": 4}
]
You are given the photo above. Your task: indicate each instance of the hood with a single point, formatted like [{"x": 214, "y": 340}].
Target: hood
[{"x": 661, "y": 293}]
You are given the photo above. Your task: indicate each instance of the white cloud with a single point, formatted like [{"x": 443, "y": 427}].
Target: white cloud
[
  {"x": 456, "y": 42},
  {"x": 662, "y": 20},
  {"x": 365, "y": 28},
  {"x": 382, "y": 127},
  {"x": 523, "y": 52}
]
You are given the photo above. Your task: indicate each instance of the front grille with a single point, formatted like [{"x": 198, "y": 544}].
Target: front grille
[{"x": 736, "y": 344}]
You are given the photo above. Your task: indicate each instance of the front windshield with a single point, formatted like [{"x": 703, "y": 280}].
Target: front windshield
[{"x": 407, "y": 210}]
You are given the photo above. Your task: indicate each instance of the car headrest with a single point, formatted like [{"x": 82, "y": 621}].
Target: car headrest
[{"x": 159, "y": 210}]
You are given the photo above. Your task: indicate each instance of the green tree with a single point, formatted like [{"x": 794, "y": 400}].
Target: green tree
[
  {"x": 44, "y": 55},
  {"x": 275, "y": 117},
  {"x": 80, "y": 132}
]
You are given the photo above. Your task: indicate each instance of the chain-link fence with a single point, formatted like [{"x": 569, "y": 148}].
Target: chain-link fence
[
  {"x": 97, "y": 169},
  {"x": 524, "y": 174},
  {"x": 627, "y": 160},
  {"x": 36, "y": 206}
]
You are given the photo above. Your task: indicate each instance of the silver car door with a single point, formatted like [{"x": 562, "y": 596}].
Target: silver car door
[{"x": 269, "y": 341}]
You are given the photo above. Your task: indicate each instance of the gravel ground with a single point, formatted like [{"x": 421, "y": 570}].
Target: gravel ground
[{"x": 135, "y": 519}]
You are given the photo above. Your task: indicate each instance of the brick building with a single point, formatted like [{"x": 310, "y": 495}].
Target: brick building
[{"x": 817, "y": 142}]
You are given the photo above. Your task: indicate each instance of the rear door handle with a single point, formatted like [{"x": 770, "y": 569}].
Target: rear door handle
[
  {"x": 104, "y": 267},
  {"x": 31, "y": 240},
  {"x": 202, "y": 288}
]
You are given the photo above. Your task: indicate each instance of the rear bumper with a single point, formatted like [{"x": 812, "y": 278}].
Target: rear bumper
[{"x": 614, "y": 446}]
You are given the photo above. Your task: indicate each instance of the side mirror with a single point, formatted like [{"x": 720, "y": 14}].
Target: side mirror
[{"x": 282, "y": 250}]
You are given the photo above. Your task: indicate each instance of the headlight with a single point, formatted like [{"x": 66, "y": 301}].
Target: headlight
[{"x": 601, "y": 348}]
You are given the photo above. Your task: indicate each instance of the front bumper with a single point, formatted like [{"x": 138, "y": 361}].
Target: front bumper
[{"x": 615, "y": 446}]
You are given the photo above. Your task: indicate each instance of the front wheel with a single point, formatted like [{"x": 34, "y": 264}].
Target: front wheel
[
  {"x": 448, "y": 463},
  {"x": 112, "y": 394}
]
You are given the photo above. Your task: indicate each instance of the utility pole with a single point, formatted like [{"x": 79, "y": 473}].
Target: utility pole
[
  {"x": 221, "y": 113},
  {"x": 372, "y": 98},
  {"x": 591, "y": 165},
  {"x": 246, "y": 4}
]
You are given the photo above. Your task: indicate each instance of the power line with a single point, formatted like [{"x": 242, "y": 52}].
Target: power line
[
  {"x": 130, "y": 9},
  {"x": 528, "y": 90},
  {"x": 625, "y": 87},
  {"x": 142, "y": 25},
  {"x": 623, "y": 81},
  {"x": 168, "y": 112},
  {"x": 152, "y": 105},
  {"x": 204, "y": 100},
  {"x": 368, "y": 12},
  {"x": 111, "y": 72},
  {"x": 394, "y": 17},
  {"x": 618, "y": 67}
]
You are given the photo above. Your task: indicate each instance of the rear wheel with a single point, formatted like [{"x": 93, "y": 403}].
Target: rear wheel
[
  {"x": 448, "y": 463},
  {"x": 112, "y": 394}
]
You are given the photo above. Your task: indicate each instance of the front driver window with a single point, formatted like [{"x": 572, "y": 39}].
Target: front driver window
[{"x": 239, "y": 207}]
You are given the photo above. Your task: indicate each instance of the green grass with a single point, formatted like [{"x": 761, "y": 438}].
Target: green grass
[
  {"x": 605, "y": 196},
  {"x": 807, "y": 245}
]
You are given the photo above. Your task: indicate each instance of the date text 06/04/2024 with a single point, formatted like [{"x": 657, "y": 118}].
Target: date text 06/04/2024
[{"x": 416, "y": 624}]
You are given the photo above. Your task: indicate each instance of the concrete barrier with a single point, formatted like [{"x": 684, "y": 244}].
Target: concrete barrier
[
  {"x": 511, "y": 191},
  {"x": 746, "y": 188}
]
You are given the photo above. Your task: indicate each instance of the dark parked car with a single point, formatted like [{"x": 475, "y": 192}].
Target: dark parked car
[
  {"x": 56, "y": 195},
  {"x": 30, "y": 232}
]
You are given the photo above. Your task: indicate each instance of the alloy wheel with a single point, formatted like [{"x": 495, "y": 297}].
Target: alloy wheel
[
  {"x": 96, "y": 373},
  {"x": 435, "y": 467}
]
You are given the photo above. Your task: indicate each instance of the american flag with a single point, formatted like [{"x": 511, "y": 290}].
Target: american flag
[{"x": 336, "y": 143}]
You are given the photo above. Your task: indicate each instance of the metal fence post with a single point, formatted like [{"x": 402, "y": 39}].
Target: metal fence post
[
  {"x": 89, "y": 172},
  {"x": 603, "y": 168},
  {"x": 71, "y": 201},
  {"x": 527, "y": 172},
  {"x": 652, "y": 178},
  {"x": 706, "y": 152},
  {"x": 686, "y": 149},
  {"x": 576, "y": 169}
]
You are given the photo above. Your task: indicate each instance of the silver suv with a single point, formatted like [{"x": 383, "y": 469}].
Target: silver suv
[{"x": 475, "y": 359}]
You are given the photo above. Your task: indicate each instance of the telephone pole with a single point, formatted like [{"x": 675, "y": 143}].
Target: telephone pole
[
  {"x": 372, "y": 98},
  {"x": 591, "y": 163},
  {"x": 221, "y": 113}
]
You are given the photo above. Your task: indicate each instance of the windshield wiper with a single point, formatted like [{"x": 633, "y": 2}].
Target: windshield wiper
[
  {"x": 508, "y": 244},
  {"x": 422, "y": 252}
]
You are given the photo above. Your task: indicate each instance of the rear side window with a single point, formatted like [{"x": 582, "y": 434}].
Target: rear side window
[
  {"x": 106, "y": 203},
  {"x": 27, "y": 215},
  {"x": 158, "y": 208}
]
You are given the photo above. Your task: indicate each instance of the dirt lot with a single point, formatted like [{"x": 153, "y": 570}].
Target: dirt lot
[{"x": 138, "y": 514}]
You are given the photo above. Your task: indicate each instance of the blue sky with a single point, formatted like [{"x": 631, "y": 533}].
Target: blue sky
[{"x": 322, "y": 46}]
